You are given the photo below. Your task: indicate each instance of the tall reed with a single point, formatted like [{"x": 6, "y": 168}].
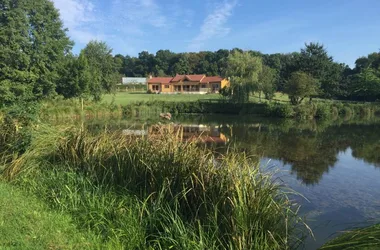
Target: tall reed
[{"x": 223, "y": 201}]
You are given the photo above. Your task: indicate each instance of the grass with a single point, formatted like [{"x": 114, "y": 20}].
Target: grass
[
  {"x": 365, "y": 238},
  {"x": 156, "y": 192},
  {"x": 124, "y": 98},
  {"x": 26, "y": 223}
]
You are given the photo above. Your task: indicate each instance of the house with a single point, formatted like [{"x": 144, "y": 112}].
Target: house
[{"x": 190, "y": 84}]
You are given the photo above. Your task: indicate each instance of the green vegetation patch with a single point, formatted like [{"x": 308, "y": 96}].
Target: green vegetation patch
[
  {"x": 124, "y": 98},
  {"x": 25, "y": 223},
  {"x": 157, "y": 192},
  {"x": 365, "y": 238}
]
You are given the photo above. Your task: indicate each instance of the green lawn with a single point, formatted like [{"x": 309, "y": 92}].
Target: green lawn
[
  {"x": 25, "y": 223},
  {"x": 278, "y": 96},
  {"x": 124, "y": 98}
]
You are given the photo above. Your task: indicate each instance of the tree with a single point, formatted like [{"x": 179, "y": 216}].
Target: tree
[
  {"x": 75, "y": 78},
  {"x": 146, "y": 61},
  {"x": 102, "y": 67},
  {"x": 182, "y": 66},
  {"x": 33, "y": 44},
  {"x": 363, "y": 84},
  {"x": 119, "y": 61},
  {"x": 315, "y": 61},
  {"x": 366, "y": 85},
  {"x": 163, "y": 63},
  {"x": 300, "y": 86},
  {"x": 243, "y": 70},
  {"x": 266, "y": 82}
]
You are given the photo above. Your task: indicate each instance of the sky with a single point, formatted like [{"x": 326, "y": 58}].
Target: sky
[{"x": 348, "y": 28}]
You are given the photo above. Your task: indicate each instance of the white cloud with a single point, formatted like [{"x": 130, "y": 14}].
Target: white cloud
[
  {"x": 214, "y": 25},
  {"x": 76, "y": 14},
  {"x": 130, "y": 16},
  {"x": 121, "y": 23}
]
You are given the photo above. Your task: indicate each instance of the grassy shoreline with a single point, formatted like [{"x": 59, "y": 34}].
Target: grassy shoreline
[
  {"x": 27, "y": 223},
  {"x": 155, "y": 192},
  {"x": 63, "y": 109}
]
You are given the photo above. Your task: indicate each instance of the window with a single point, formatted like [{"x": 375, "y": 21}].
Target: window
[
  {"x": 166, "y": 86},
  {"x": 186, "y": 88},
  {"x": 177, "y": 88},
  {"x": 155, "y": 88},
  {"x": 203, "y": 86}
]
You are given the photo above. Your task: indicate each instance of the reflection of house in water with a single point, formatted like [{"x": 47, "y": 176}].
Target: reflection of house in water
[
  {"x": 208, "y": 134},
  {"x": 190, "y": 132}
]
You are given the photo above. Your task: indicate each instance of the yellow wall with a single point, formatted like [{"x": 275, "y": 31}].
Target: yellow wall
[
  {"x": 171, "y": 88},
  {"x": 167, "y": 90},
  {"x": 225, "y": 83},
  {"x": 150, "y": 86}
]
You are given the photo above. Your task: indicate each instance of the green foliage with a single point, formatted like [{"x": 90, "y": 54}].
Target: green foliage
[
  {"x": 26, "y": 223},
  {"x": 102, "y": 67},
  {"x": 323, "y": 111},
  {"x": 266, "y": 82},
  {"x": 75, "y": 78},
  {"x": 362, "y": 238},
  {"x": 243, "y": 69},
  {"x": 366, "y": 84},
  {"x": 190, "y": 200},
  {"x": 299, "y": 86},
  {"x": 279, "y": 110},
  {"x": 32, "y": 47}
]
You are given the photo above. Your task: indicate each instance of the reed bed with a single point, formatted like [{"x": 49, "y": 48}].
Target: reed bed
[
  {"x": 361, "y": 238},
  {"x": 157, "y": 192}
]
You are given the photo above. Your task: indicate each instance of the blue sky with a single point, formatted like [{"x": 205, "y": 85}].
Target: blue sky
[{"x": 348, "y": 28}]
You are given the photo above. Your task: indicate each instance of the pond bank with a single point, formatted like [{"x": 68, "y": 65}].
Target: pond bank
[
  {"x": 155, "y": 193},
  {"x": 315, "y": 110}
]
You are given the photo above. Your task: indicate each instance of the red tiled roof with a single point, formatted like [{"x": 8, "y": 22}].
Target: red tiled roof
[
  {"x": 212, "y": 79},
  {"x": 193, "y": 78},
  {"x": 160, "y": 80}
]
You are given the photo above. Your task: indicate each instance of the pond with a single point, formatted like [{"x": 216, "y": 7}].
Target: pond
[{"x": 334, "y": 165}]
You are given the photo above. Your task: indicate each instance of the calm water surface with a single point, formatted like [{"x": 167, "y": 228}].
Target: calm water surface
[{"x": 334, "y": 165}]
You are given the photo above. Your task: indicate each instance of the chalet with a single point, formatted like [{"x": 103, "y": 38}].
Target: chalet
[{"x": 190, "y": 84}]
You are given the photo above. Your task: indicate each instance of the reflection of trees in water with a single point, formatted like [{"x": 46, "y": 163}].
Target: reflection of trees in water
[
  {"x": 310, "y": 148},
  {"x": 310, "y": 152}
]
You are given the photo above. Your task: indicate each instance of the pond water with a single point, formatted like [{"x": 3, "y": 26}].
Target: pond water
[{"x": 335, "y": 165}]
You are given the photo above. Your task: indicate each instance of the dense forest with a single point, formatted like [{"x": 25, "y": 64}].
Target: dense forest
[{"x": 36, "y": 62}]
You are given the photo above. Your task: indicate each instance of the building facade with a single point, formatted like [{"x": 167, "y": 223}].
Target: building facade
[{"x": 190, "y": 84}]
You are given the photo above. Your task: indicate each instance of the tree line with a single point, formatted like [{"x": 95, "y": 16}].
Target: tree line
[
  {"x": 36, "y": 62},
  {"x": 311, "y": 72}
]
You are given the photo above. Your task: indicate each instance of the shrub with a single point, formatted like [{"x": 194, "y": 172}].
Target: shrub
[
  {"x": 279, "y": 110},
  {"x": 323, "y": 111}
]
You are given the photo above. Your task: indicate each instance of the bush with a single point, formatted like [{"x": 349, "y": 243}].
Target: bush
[
  {"x": 323, "y": 111},
  {"x": 279, "y": 110}
]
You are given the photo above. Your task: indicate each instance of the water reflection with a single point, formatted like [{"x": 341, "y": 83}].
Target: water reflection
[
  {"x": 334, "y": 164},
  {"x": 311, "y": 149},
  {"x": 208, "y": 134}
]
